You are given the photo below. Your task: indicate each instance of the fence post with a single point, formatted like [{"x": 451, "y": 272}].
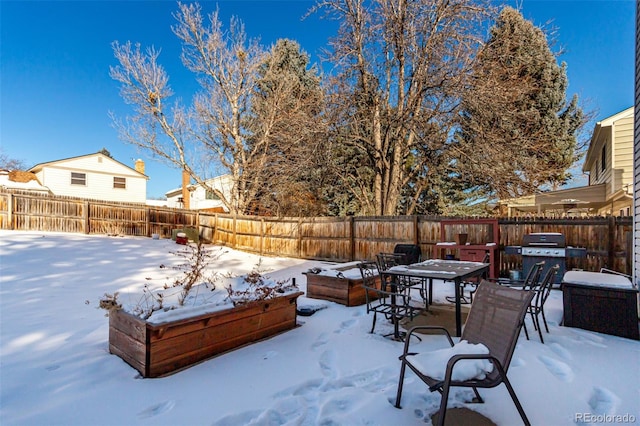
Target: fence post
[
  {"x": 198, "y": 224},
  {"x": 10, "y": 210},
  {"x": 215, "y": 228},
  {"x": 261, "y": 235},
  {"x": 416, "y": 236},
  {"x": 148, "y": 221},
  {"x": 299, "y": 237},
  {"x": 611, "y": 221},
  {"x": 234, "y": 244},
  {"x": 352, "y": 241},
  {"x": 86, "y": 225}
]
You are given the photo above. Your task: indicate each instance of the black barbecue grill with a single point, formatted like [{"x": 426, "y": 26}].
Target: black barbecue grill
[{"x": 549, "y": 247}]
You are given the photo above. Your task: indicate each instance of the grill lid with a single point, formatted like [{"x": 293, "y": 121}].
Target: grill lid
[{"x": 543, "y": 239}]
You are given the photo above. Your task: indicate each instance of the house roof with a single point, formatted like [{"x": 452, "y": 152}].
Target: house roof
[
  {"x": 607, "y": 122},
  {"x": 592, "y": 196},
  {"x": 40, "y": 166}
]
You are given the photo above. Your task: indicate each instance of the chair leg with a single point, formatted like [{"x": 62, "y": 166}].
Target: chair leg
[
  {"x": 516, "y": 401},
  {"x": 533, "y": 320},
  {"x": 373, "y": 326},
  {"x": 526, "y": 333},
  {"x": 478, "y": 399},
  {"x": 443, "y": 404},
  {"x": 539, "y": 329},
  {"x": 544, "y": 319},
  {"x": 400, "y": 384}
]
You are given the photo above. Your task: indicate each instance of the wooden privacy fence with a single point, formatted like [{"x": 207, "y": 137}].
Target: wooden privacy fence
[
  {"x": 29, "y": 212},
  {"x": 608, "y": 240}
]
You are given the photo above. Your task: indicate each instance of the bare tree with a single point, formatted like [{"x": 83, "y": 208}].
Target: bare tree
[
  {"x": 400, "y": 66},
  {"x": 9, "y": 163},
  {"x": 287, "y": 111},
  {"x": 220, "y": 127}
]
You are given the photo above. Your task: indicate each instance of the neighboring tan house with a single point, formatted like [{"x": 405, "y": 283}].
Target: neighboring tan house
[
  {"x": 201, "y": 198},
  {"x": 96, "y": 176},
  {"x": 609, "y": 163}
]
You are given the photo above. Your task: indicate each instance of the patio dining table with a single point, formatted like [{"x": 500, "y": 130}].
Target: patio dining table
[{"x": 446, "y": 270}]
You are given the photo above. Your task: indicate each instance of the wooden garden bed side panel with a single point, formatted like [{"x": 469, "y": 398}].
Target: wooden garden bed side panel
[
  {"x": 327, "y": 288},
  {"x": 219, "y": 338},
  {"x": 159, "y": 349},
  {"x": 171, "y": 329},
  {"x": 347, "y": 292},
  {"x": 127, "y": 339},
  {"x": 132, "y": 351},
  {"x": 170, "y": 354}
]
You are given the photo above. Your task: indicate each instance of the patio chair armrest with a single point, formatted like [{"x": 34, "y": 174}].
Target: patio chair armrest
[
  {"x": 456, "y": 358},
  {"x": 413, "y": 329}
]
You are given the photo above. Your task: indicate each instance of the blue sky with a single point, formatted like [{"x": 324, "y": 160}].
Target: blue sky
[{"x": 56, "y": 93}]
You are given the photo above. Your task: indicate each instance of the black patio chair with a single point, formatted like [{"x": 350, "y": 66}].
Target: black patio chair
[
  {"x": 531, "y": 281},
  {"x": 394, "y": 305},
  {"x": 536, "y": 308},
  {"x": 388, "y": 260},
  {"x": 495, "y": 320},
  {"x": 473, "y": 287}
]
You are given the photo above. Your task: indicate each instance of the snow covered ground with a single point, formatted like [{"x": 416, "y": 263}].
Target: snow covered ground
[{"x": 55, "y": 367}]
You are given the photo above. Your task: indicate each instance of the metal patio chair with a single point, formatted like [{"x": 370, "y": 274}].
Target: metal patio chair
[
  {"x": 495, "y": 320},
  {"x": 537, "y": 305},
  {"x": 394, "y": 305}
]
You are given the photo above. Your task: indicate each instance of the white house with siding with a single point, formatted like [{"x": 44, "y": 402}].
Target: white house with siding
[
  {"x": 96, "y": 176},
  {"x": 203, "y": 198}
]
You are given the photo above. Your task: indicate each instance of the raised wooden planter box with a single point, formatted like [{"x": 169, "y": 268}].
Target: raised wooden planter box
[
  {"x": 160, "y": 349},
  {"x": 347, "y": 291}
]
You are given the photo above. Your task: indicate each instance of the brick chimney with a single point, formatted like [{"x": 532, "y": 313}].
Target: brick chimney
[
  {"x": 186, "y": 180},
  {"x": 139, "y": 166}
]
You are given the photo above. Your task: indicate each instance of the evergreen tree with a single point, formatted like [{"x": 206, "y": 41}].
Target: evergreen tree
[
  {"x": 517, "y": 131},
  {"x": 286, "y": 112}
]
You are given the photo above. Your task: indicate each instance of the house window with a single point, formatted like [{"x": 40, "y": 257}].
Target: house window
[
  {"x": 120, "y": 183},
  {"x": 78, "y": 179},
  {"x": 210, "y": 195},
  {"x": 603, "y": 159}
]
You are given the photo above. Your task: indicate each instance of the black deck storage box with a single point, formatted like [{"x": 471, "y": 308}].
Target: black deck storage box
[{"x": 605, "y": 303}]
